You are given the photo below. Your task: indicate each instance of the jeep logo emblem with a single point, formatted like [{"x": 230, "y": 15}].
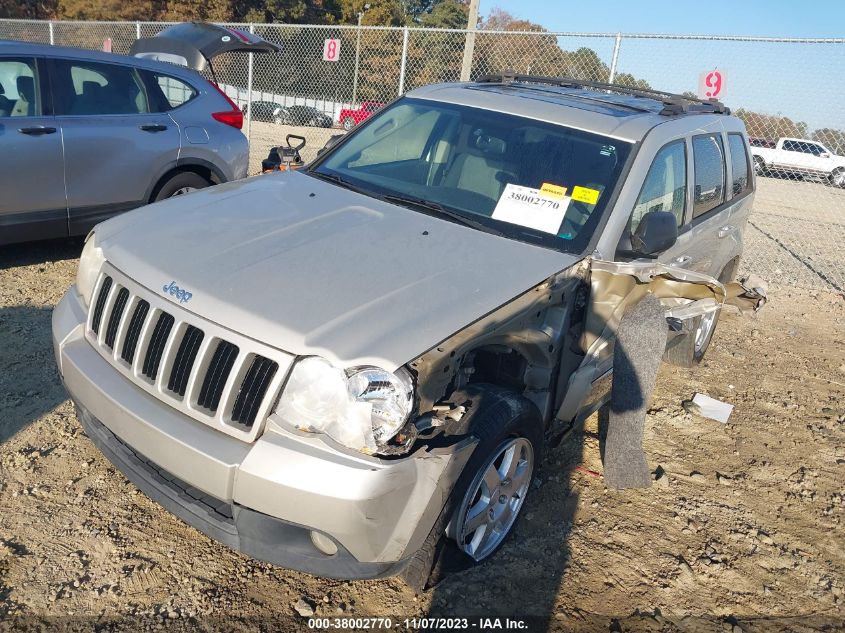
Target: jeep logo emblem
[{"x": 175, "y": 291}]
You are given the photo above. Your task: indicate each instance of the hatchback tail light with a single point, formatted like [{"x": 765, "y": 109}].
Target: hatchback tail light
[{"x": 233, "y": 117}]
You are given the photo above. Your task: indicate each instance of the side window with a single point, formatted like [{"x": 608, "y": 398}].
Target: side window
[
  {"x": 790, "y": 146},
  {"x": 20, "y": 94},
  {"x": 88, "y": 88},
  {"x": 709, "y": 159},
  {"x": 665, "y": 185},
  {"x": 167, "y": 92},
  {"x": 739, "y": 163}
]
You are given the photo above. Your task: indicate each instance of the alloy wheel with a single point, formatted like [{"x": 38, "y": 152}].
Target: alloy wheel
[{"x": 495, "y": 497}]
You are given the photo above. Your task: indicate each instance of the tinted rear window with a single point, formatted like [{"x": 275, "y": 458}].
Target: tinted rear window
[
  {"x": 167, "y": 92},
  {"x": 739, "y": 164},
  {"x": 709, "y": 160}
]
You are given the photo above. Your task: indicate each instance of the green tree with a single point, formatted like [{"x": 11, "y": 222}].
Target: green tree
[{"x": 446, "y": 14}]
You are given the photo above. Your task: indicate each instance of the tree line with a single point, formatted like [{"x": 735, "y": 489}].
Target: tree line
[
  {"x": 432, "y": 57},
  {"x": 438, "y": 13}
]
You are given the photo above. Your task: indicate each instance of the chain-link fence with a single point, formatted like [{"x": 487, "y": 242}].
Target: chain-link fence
[{"x": 782, "y": 88}]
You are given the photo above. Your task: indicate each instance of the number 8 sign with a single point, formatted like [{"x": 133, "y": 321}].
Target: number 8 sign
[
  {"x": 331, "y": 50},
  {"x": 711, "y": 84}
]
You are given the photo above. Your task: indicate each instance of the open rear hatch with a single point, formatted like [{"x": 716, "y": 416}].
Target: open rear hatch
[{"x": 195, "y": 44}]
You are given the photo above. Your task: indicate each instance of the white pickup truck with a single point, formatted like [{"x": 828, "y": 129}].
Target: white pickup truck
[{"x": 798, "y": 156}]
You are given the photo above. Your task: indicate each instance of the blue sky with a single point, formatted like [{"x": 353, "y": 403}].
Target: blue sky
[
  {"x": 802, "y": 81},
  {"x": 770, "y": 18}
]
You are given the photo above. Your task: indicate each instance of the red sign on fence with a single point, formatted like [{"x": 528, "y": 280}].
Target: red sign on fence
[
  {"x": 331, "y": 50},
  {"x": 711, "y": 84}
]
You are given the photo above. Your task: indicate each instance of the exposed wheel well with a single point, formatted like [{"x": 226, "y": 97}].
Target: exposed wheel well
[
  {"x": 497, "y": 365},
  {"x": 200, "y": 170}
]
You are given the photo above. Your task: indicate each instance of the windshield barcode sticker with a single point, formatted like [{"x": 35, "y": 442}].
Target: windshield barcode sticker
[{"x": 531, "y": 208}]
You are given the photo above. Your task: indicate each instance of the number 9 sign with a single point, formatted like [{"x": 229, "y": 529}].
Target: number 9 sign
[{"x": 711, "y": 84}]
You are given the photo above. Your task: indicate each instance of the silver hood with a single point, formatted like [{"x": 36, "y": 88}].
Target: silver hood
[{"x": 312, "y": 268}]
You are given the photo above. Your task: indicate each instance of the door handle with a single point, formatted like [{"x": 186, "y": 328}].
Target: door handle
[
  {"x": 155, "y": 127},
  {"x": 37, "y": 130},
  {"x": 680, "y": 260},
  {"x": 726, "y": 230}
]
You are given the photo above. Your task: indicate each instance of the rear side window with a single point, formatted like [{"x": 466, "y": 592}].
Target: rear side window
[
  {"x": 665, "y": 186},
  {"x": 19, "y": 91},
  {"x": 709, "y": 160},
  {"x": 91, "y": 88},
  {"x": 739, "y": 164},
  {"x": 167, "y": 92}
]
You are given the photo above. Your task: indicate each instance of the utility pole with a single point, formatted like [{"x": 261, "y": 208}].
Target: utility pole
[
  {"x": 469, "y": 46},
  {"x": 358, "y": 54}
]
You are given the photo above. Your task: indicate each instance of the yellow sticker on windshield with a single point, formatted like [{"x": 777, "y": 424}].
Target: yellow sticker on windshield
[
  {"x": 553, "y": 191},
  {"x": 584, "y": 194}
]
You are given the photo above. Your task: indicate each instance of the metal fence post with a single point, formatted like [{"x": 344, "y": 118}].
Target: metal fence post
[
  {"x": 404, "y": 61},
  {"x": 249, "y": 92},
  {"x": 137, "y": 30},
  {"x": 357, "y": 58},
  {"x": 469, "y": 44},
  {"x": 52, "y": 35},
  {"x": 615, "y": 59}
]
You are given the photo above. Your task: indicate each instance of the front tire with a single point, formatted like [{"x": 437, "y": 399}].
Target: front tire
[
  {"x": 509, "y": 428},
  {"x": 179, "y": 184},
  {"x": 493, "y": 500},
  {"x": 348, "y": 123},
  {"x": 759, "y": 166},
  {"x": 837, "y": 178}
]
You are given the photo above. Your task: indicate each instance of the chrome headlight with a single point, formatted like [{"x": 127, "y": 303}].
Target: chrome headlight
[
  {"x": 361, "y": 408},
  {"x": 90, "y": 262}
]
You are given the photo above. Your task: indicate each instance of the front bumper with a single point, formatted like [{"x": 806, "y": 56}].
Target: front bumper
[{"x": 262, "y": 498}]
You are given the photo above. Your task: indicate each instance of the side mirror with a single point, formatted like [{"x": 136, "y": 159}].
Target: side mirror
[
  {"x": 657, "y": 231},
  {"x": 333, "y": 140},
  {"x": 824, "y": 155}
]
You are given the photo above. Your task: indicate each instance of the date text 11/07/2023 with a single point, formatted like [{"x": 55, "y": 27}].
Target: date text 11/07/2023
[{"x": 419, "y": 624}]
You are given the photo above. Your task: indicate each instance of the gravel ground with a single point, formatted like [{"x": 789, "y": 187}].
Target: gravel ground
[{"x": 743, "y": 530}]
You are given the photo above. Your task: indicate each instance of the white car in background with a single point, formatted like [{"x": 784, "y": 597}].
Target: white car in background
[{"x": 795, "y": 156}]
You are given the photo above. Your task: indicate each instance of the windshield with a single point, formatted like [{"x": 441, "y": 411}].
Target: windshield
[{"x": 526, "y": 179}]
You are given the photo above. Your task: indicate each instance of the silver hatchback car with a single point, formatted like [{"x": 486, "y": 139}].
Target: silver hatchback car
[{"x": 85, "y": 135}]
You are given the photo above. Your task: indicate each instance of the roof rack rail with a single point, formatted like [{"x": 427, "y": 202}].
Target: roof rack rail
[{"x": 673, "y": 104}]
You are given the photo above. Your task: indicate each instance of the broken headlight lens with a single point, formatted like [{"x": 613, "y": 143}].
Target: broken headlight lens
[{"x": 361, "y": 408}]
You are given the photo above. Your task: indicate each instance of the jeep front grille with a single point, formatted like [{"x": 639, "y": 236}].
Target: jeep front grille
[{"x": 212, "y": 374}]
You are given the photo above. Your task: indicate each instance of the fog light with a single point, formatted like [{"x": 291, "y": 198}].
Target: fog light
[{"x": 324, "y": 543}]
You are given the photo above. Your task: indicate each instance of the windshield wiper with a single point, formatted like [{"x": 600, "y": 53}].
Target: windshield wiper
[
  {"x": 336, "y": 179},
  {"x": 439, "y": 209}
]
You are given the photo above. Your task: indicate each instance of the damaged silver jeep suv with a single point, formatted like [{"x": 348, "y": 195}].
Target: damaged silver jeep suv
[{"x": 334, "y": 369}]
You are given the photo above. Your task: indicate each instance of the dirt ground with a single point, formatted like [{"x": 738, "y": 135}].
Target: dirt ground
[{"x": 742, "y": 532}]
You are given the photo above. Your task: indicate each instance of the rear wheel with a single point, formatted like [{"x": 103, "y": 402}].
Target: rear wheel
[
  {"x": 687, "y": 350},
  {"x": 348, "y": 123},
  {"x": 759, "y": 166},
  {"x": 180, "y": 184},
  {"x": 837, "y": 178}
]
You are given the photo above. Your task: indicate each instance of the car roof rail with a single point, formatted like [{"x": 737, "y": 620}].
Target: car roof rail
[{"x": 673, "y": 104}]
